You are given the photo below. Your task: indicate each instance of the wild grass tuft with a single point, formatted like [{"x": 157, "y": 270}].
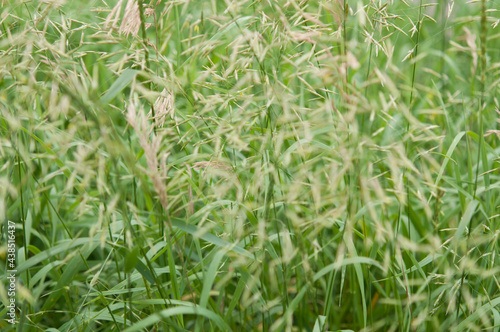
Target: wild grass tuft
[{"x": 251, "y": 165}]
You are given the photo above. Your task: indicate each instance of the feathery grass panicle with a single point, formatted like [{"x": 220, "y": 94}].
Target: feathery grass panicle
[
  {"x": 164, "y": 105},
  {"x": 151, "y": 147},
  {"x": 131, "y": 20}
]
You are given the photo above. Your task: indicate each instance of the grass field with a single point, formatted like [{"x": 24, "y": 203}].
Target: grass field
[{"x": 235, "y": 165}]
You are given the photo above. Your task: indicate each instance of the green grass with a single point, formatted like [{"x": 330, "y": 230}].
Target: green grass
[{"x": 251, "y": 165}]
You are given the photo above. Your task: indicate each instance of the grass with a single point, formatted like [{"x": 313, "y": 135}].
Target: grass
[{"x": 256, "y": 166}]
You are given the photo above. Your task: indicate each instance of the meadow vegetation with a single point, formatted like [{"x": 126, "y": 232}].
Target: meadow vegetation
[{"x": 239, "y": 165}]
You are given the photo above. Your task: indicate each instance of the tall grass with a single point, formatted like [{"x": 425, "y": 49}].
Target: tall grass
[{"x": 256, "y": 166}]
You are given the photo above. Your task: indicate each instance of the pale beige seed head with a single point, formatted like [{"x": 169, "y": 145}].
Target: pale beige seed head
[
  {"x": 215, "y": 164},
  {"x": 164, "y": 105},
  {"x": 131, "y": 22}
]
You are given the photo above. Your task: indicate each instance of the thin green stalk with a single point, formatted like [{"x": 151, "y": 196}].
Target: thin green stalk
[{"x": 480, "y": 161}]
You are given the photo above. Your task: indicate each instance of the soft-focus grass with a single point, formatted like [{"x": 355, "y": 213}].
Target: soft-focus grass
[{"x": 252, "y": 165}]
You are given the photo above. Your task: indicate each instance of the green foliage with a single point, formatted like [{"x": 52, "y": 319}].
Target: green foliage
[{"x": 255, "y": 166}]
